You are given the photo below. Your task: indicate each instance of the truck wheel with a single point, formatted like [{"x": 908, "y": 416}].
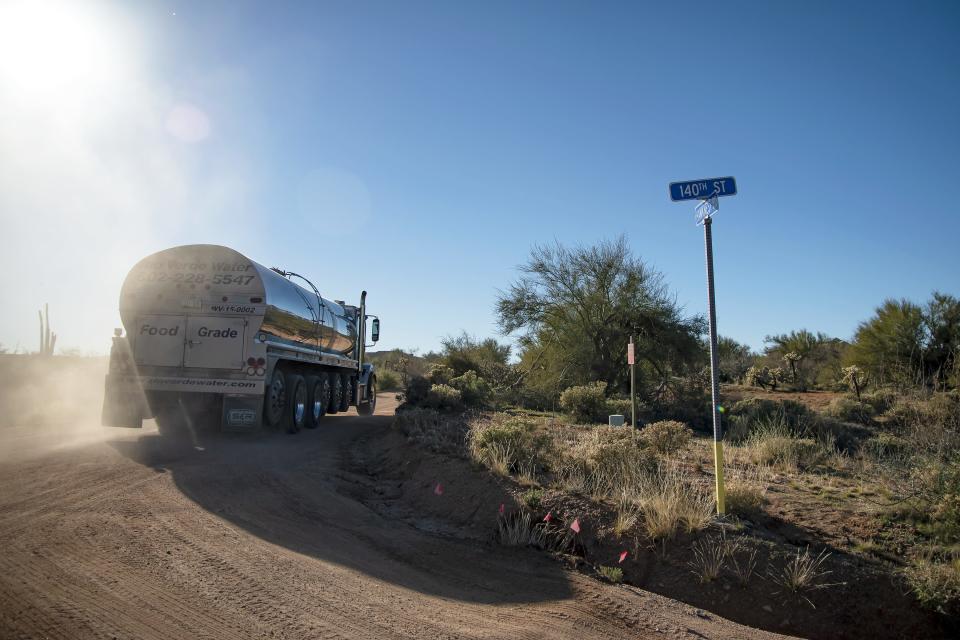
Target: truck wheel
[
  {"x": 318, "y": 398},
  {"x": 347, "y": 395},
  {"x": 297, "y": 409},
  {"x": 367, "y": 407},
  {"x": 336, "y": 391},
  {"x": 275, "y": 402}
]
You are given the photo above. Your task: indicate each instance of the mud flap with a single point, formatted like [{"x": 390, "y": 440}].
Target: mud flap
[
  {"x": 242, "y": 414},
  {"x": 124, "y": 404}
]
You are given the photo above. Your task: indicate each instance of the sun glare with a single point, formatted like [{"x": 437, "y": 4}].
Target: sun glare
[{"x": 61, "y": 51}]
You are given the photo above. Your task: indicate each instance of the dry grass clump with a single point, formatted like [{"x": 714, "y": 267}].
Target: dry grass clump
[
  {"x": 743, "y": 564},
  {"x": 803, "y": 574},
  {"x": 746, "y": 489},
  {"x": 509, "y": 444},
  {"x": 670, "y": 503},
  {"x": 667, "y": 436},
  {"x": 775, "y": 445},
  {"x": 627, "y": 516},
  {"x": 607, "y": 462},
  {"x": 745, "y": 499},
  {"x": 711, "y": 554},
  {"x": 519, "y": 529}
]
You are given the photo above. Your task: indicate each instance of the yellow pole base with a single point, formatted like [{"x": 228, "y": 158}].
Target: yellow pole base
[{"x": 718, "y": 465}]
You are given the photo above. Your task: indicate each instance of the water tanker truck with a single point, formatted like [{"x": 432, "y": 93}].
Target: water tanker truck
[{"x": 214, "y": 338}]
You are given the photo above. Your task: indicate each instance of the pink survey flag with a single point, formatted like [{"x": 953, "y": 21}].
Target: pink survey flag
[
  {"x": 575, "y": 525},
  {"x": 548, "y": 517},
  {"x": 623, "y": 556},
  {"x": 438, "y": 490},
  {"x": 501, "y": 508}
]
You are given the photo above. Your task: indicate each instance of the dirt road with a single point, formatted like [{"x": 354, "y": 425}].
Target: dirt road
[{"x": 126, "y": 535}]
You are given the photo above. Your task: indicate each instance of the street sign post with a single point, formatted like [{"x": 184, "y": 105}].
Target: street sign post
[
  {"x": 632, "y": 361},
  {"x": 708, "y": 192}
]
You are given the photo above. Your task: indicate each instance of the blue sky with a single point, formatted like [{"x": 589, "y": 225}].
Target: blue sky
[{"x": 419, "y": 149}]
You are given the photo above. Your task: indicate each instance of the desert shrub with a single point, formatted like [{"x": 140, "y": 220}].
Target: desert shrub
[
  {"x": 667, "y": 436},
  {"x": 750, "y": 414},
  {"x": 585, "y": 403},
  {"x": 440, "y": 374},
  {"x": 882, "y": 400},
  {"x": 511, "y": 444},
  {"x": 443, "y": 397},
  {"x": 613, "y": 574},
  {"x": 936, "y": 585},
  {"x": 417, "y": 391},
  {"x": 532, "y": 497},
  {"x": 474, "y": 390},
  {"x": 849, "y": 410},
  {"x": 886, "y": 446},
  {"x": 744, "y": 498},
  {"x": 620, "y": 407},
  {"x": 429, "y": 428},
  {"x": 608, "y": 461},
  {"x": 388, "y": 381}
]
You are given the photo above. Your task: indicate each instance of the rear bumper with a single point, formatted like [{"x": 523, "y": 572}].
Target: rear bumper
[{"x": 192, "y": 384}]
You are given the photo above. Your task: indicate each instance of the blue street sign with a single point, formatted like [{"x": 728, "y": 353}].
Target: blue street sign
[{"x": 702, "y": 189}]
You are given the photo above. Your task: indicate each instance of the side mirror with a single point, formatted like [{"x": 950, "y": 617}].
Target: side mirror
[{"x": 375, "y": 330}]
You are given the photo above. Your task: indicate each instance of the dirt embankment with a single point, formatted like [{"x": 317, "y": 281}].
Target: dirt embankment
[
  {"x": 862, "y": 600},
  {"x": 129, "y": 535}
]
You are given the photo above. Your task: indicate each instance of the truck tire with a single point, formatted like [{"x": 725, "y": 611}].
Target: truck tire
[
  {"x": 275, "y": 400},
  {"x": 336, "y": 392},
  {"x": 367, "y": 407},
  {"x": 297, "y": 406},
  {"x": 346, "y": 397},
  {"x": 318, "y": 398}
]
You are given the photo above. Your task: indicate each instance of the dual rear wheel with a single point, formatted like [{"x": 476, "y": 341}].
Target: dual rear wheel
[{"x": 295, "y": 402}]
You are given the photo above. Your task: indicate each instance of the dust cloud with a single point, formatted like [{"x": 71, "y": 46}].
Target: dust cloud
[{"x": 50, "y": 403}]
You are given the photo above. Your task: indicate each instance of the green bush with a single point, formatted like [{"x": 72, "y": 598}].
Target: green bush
[
  {"x": 443, "y": 397},
  {"x": 532, "y": 497},
  {"x": 849, "y": 410},
  {"x": 619, "y": 407},
  {"x": 667, "y": 436},
  {"x": 440, "y": 374},
  {"x": 586, "y": 403},
  {"x": 473, "y": 389}
]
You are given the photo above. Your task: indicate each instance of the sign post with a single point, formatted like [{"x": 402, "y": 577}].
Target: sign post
[
  {"x": 708, "y": 191},
  {"x": 631, "y": 360}
]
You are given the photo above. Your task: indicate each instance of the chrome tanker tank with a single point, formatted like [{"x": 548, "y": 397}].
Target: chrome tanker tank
[{"x": 212, "y": 280}]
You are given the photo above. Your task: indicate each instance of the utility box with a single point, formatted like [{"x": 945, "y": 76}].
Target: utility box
[{"x": 617, "y": 421}]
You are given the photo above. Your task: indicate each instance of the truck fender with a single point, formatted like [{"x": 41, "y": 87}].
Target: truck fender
[{"x": 366, "y": 372}]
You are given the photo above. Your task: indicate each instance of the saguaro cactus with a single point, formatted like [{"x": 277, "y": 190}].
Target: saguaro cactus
[{"x": 48, "y": 339}]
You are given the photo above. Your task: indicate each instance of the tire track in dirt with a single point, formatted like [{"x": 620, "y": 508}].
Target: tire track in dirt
[{"x": 255, "y": 537}]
